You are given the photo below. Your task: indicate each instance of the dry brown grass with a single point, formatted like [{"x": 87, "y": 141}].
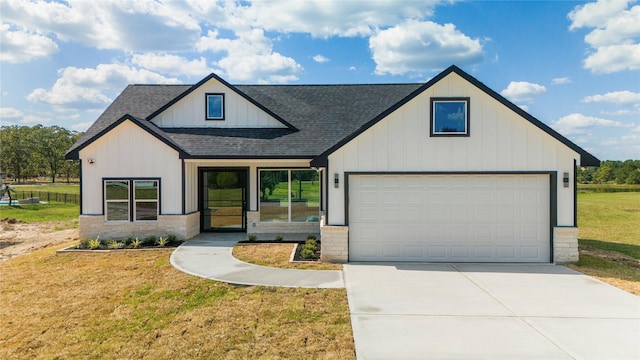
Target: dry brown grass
[
  {"x": 136, "y": 305},
  {"x": 277, "y": 255}
]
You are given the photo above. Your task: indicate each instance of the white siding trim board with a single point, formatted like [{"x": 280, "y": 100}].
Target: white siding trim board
[{"x": 552, "y": 194}]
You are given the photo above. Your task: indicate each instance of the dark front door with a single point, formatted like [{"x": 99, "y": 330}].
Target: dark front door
[{"x": 223, "y": 199}]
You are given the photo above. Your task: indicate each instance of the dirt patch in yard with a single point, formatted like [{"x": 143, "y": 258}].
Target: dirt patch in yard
[{"x": 19, "y": 238}]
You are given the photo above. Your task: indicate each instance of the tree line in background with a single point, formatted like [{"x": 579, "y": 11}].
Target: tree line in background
[
  {"x": 30, "y": 152},
  {"x": 619, "y": 172}
]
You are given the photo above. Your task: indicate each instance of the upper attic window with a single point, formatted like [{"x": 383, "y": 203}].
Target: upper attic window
[
  {"x": 215, "y": 106},
  {"x": 449, "y": 117}
]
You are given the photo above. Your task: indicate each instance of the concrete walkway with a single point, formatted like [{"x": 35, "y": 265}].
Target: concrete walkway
[{"x": 210, "y": 256}]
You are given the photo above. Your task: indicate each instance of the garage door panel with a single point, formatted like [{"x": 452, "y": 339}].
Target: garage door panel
[{"x": 489, "y": 218}]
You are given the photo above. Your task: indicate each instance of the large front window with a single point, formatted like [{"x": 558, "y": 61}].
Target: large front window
[
  {"x": 124, "y": 202},
  {"x": 289, "y": 196}
]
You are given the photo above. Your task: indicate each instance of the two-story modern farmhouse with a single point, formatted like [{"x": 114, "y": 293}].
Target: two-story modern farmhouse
[{"x": 448, "y": 170}]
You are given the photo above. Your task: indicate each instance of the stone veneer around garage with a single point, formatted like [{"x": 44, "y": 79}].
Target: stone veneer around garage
[
  {"x": 182, "y": 226},
  {"x": 565, "y": 245}
]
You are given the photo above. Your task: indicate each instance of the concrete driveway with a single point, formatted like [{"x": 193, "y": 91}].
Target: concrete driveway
[{"x": 488, "y": 311}]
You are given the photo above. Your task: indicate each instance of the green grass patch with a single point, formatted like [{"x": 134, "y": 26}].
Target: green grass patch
[
  {"x": 40, "y": 212},
  {"x": 631, "y": 250},
  {"x": 610, "y": 217},
  {"x": 605, "y": 268},
  {"x": 54, "y": 188}
]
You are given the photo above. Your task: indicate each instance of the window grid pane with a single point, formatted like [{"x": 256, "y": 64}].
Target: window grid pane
[
  {"x": 146, "y": 200},
  {"x": 274, "y": 196},
  {"x": 305, "y": 196},
  {"x": 117, "y": 190}
]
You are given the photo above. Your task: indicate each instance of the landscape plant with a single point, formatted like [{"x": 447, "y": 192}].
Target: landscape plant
[
  {"x": 94, "y": 243},
  {"x": 136, "y": 243}
]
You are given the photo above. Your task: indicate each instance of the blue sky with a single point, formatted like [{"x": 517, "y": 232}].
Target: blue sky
[{"x": 573, "y": 65}]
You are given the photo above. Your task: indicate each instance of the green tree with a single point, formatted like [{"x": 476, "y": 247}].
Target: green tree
[
  {"x": 633, "y": 178},
  {"x": 52, "y": 144},
  {"x": 16, "y": 151}
]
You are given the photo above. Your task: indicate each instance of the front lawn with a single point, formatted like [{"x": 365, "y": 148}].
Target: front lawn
[
  {"x": 31, "y": 213},
  {"x": 609, "y": 238},
  {"x": 135, "y": 305}
]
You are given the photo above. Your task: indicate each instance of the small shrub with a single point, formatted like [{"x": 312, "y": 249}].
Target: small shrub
[
  {"x": 172, "y": 239},
  {"x": 149, "y": 240},
  {"x": 252, "y": 238},
  {"x": 279, "y": 238},
  {"x": 136, "y": 243},
  {"x": 84, "y": 244},
  {"x": 127, "y": 241},
  {"x": 307, "y": 253},
  {"x": 162, "y": 242},
  {"x": 312, "y": 244},
  {"x": 312, "y": 237},
  {"x": 94, "y": 243},
  {"x": 114, "y": 244}
]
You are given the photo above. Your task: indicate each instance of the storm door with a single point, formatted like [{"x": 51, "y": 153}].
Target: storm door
[{"x": 223, "y": 199}]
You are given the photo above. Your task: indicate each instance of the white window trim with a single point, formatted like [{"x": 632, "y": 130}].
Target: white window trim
[
  {"x": 136, "y": 201},
  {"x": 467, "y": 120},
  {"x": 107, "y": 201},
  {"x": 222, "y": 107}
]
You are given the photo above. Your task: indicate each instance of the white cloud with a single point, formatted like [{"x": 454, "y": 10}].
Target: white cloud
[
  {"x": 320, "y": 59},
  {"x": 579, "y": 124},
  {"x": 332, "y": 18},
  {"x": 522, "y": 91},
  {"x": 616, "y": 97},
  {"x": 250, "y": 57},
  {"x": 172, "y": 64},
  {"x": 614, "y": 58},
  {"x": 108, "y": 24},
  {"x": 10, "y": 113},
  {"x": 87, "y": 87},
  {"x": 524, "y": 107},
  {"x": 561, "y": 81},
  {"x": 615, "y": 38},
  {"x": 81, "y": 127},
  {"x": 418, "y": 46},
  {"x": 21, "y": 46}
]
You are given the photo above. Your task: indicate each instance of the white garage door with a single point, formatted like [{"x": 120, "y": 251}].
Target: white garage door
[{"x": 453, "y": 218}]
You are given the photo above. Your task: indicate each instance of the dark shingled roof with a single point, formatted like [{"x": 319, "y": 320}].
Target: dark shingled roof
[{"x": 319, "y": 118}]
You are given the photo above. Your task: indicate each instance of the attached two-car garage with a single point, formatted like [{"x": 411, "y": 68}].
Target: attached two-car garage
[{"x": 449, "y": 217}]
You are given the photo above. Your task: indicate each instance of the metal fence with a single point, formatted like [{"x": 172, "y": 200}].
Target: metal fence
[{"x": 46, "y": 196}]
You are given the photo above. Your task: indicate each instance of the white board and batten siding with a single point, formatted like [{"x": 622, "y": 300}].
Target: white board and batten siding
[
  {"x": 485, "y": 197},
  {"x": 500, "y": 140},
  {"x": 128, "y": 151},
  {"x": 238, "y": 111}
]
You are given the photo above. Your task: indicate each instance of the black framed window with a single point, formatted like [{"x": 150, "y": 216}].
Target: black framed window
[
  {"x": 215, "y": 106},
  {"x": 131, "y": 199},
  {"x": 449, "y": 117}
]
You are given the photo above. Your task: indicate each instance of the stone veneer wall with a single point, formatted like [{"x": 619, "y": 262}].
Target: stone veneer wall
[
  {"x": 565, "y": 245},
  {"x": 335, "y": 243},
  {"x": 254, "y": 226},
  {"x": 182, "y": 226}
]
